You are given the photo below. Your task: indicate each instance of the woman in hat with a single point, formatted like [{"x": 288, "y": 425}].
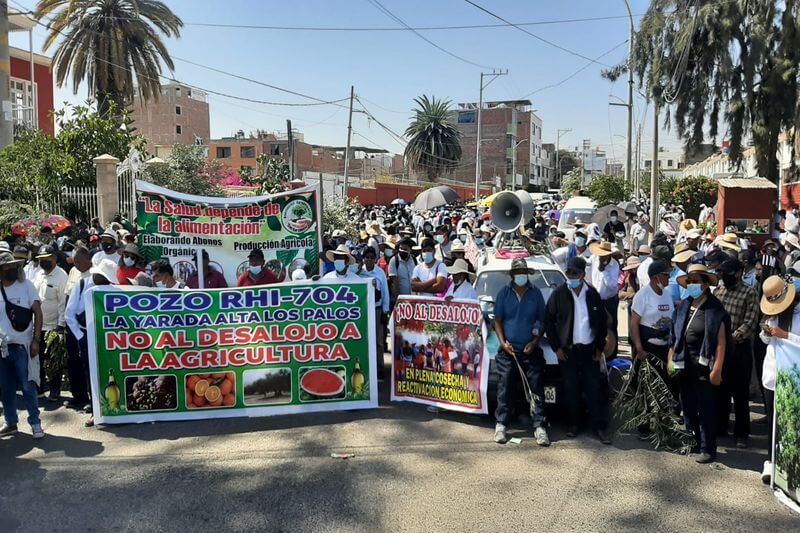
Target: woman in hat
[
  {"x": 461, "y": 288},
  {"x": 779, "y": 305},
  {"x": 701, "y": 334},
  {"x": 130, "y": 264}
]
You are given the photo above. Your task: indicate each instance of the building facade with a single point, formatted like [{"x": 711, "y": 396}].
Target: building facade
[
  {"x": 593, "y": 161},
  {"x": 179, "y": 116},
  {"x": 31, "y": 104},
  {"x": 511, "y": 143},
  {"x": 670, "y": 163}
]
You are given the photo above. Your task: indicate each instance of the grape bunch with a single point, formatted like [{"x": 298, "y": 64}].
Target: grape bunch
[{"x": 151, "y": 393}]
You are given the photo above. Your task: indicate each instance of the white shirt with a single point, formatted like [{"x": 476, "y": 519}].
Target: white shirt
[
  {"x": 349, "y": 275},
  {"x": 31, "y": 270},
  {"x": 51, "y": 289},
  {"x": 423, "y": 273},
  {"x": 99, "y": 256},
  {"x": 464, "y": 291},
  {"x": 790, "y": 224},
  {"x": 75, "y": 307},
  {"x": 382, "y": 286},
  {"x": 73, "y": 278},
  {"x": 605, "y": 282},
  {"x": 443, "y": 251},
  {"x": 581, "y": 331},
  {"x": 641, "y": 272},
  {"x": 23, "y": 294},
  {"x": 769, "y": 368},
  {"x": 655, "y": 310}
]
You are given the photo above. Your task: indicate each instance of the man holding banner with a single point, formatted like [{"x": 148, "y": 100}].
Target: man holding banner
[{"x": 518, "y": 319}]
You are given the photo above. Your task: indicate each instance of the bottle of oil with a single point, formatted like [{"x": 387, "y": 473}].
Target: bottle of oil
[
  {"x": 112, "y": 391},
  {"x": 357, "y": 379}
]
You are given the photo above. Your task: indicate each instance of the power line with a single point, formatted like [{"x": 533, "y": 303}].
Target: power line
[
  {"x": 394, "y": 17},
  {"x": 542, "y": 39}
]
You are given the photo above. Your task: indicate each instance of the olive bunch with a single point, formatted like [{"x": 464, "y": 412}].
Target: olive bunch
[{"x": 151, "y": 393}]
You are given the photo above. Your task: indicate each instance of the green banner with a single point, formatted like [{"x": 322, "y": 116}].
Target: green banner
[
  {"x": 285, "y": 226},
  {"x": 277, "y": 349}
]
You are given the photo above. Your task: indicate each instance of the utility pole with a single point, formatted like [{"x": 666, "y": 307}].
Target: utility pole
[
  {"x": 559, "y": 133},
  {"x": 654, "y": 196},
  {"x": 6, "y": 119},
  {"x": 638, "y": 173},
  {"x": 347, "y": 148},
  {"x": 493, "y": 74},
  {"x": 628, "y": 175},
  {"x": 290, "y": 141}
]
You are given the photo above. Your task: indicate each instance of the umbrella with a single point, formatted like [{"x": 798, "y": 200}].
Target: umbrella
[
  {"x": 55, "y": 222},
  {"x": 399, "y": 201},
  {"x": 629, "y": 207},
  {"x": 487, "y": 202},
  {"x": 435, "y": 197},
  {"x": 601, "y": 215}
]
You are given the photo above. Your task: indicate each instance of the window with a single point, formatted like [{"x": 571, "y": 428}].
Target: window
[
  {"x": 178, "y": 92},
  {"x": 178, "y": 129},
  {"x": 669, "y": 163},
  {"x": 247, "y": 152},
  {"x": 178, "y": 110},
  {"x": 23, "y": 108},
  {"x": 275, "y": 149},
  {"x": 648, "y": 163},
  {"x": 467, "y": 117},
  {"x": 223, "y": 152}
]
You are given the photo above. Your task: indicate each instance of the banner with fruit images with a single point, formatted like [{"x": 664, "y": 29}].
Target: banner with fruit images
[
  {"x": 258, "y": 351},
  {"x": 787, "y": 418},
  {"x": 438, "y": 355},
  {"x": 286, "y": 227}
]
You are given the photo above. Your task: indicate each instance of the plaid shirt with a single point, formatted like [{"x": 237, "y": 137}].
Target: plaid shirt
[{"x": 742, "y": 304}]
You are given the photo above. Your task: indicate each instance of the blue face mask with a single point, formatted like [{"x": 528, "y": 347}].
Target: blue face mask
[
  {"x": 573, "y": 283},
  {"x": 439, "y": 239},
  {"x": 255, "y": 270},
  {"x": 338, "y": 264},
  {"x": 520, "y": 279},
  {"x": 354, "y": 268},
  {"x": 797, "y": 284},
  {"x": 695, "y": 290},
  {"x": 160, "y": 284},
  {"x": 462, "y": 238},
  {"x": 580, "y": 242},
  {"x": 427, "y": 257},
  {"x": 642, "y": 257},
  {"x": 478, "y": 240},
  {"x": 388, "y": 252}
]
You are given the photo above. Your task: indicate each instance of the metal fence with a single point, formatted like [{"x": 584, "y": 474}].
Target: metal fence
[{"x": 128, "y": 171}]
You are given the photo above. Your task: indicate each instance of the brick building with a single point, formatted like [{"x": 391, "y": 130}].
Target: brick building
[
  {"x": 179, "y": 116},
  {"x": 511, "y": 143}
]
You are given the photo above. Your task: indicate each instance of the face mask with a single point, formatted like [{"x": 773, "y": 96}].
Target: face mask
[
  {"x": 108, "y": 247},
  {"x": 160, "y": 284},
  {"x": 797, "y": 284},
  {"x": 440, "y": 239},
  {"x": 255, "y": 270},
  {"x": 10, "y": 275},
  {"x": 478, "y": 240},
  {"x": 129, "y": 261},
  {"x": 46, "y": 265},
  {"x": 660, "y": 286},
  {"x": 404, "y": 255},
  {"x": 354, "y": 268},
  {"x": 388, "y": 252},
  {"x": 613, "y": 219},
  {"x": 462, "y": 238},
  {"x": 580, "y": 242},
  {"x": 573, "y": 283},
  {"x": 520, "y": 279},
  {"x": 642, "y": 257},
  {"x": 338, "y": 264},
  {"x": 695, "y": 290},
  {"x": 427, "y": 257}
]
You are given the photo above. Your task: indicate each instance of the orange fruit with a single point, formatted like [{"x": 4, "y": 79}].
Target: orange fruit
[
  {"x": 219, "y": 375},
  {"x": 229, "y": 400},
  {"x": 226, "y": 386},
  {"x": 217, "y": 402},
  {"x": 201, "y": 387},
  {"x": 199, "y": 401},
  {"x": 213, "y": 394},
  {"x": 191, "y": 381}
]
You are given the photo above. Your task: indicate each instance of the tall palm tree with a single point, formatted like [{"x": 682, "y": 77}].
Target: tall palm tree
[
  {"x": 115, "y": 46},
  {"x": 433, "y": 147}
]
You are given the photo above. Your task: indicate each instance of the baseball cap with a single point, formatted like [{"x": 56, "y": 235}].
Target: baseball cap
[{"x": 576, "y": 265}]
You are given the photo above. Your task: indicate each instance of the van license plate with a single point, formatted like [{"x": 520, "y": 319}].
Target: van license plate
[{"x": 549, "y": 395}]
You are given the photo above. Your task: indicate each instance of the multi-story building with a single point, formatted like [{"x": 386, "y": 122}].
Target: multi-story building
[
  {"x": 511, "y": 143},
  {"x": 670, "y": 163},
  {"x": 31, "y": 103},
  {"x": 179, "y": 116},
  {"x": 549, "y": 165},
  {"x": 594, "y": 161}
]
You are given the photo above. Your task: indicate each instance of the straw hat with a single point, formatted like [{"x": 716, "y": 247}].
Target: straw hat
[
  {"x": 363, "y": 235},
  {"x": 632, "y": 263},
  {"x": 340, "y": 250},
  {"x": 106, "y": 268},
  {"x": 687, "y": 224},
  {"x": 791, "y": 238},
  {"x": 391, "y": 242},
  {"x": 730, "y": 240},
  {"x": 374, "y": 229},
  {"x": 683, "y": 256},
  {"x": 7, "y": 258},
  {"x": 460, "y": 267},
  {"x": 601, "y": 249},
  {"x": 697, "y": 271},
  {"x": 457, "y": 246},
  {"x": 644, "y": 250},
  {"x": 778, "y": 296}
]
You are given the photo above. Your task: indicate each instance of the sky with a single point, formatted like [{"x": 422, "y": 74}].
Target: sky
[{"x": 390, "y": 68}]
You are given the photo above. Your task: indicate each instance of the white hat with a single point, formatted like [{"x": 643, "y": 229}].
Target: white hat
[
  {"x": 460, "y": 267},
  {"x": 107, "y": 268},
  {"x": 693, "y": 234},
  {"x": 457, "y": 246},
  {"x": 299, "y": 274},
  {"x": 338, "y": 233}
]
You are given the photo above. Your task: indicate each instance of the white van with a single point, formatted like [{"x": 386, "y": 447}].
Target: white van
[{"x": 577, "y": 209}]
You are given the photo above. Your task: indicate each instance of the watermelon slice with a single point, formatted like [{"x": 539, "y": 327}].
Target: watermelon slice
[{"x": 322, "y": 382}]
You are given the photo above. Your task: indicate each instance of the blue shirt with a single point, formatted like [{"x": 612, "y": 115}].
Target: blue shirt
[
  {"x": 381, "y": 301},
  {"x": 677, "y": 292},
  {"x": 520, "y": 316}
]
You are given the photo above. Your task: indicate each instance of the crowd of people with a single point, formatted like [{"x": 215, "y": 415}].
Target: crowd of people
[{"x": 706, "y": 303}]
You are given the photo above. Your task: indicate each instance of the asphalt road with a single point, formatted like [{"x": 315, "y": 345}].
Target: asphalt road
[{"x": 412, "y": 471}]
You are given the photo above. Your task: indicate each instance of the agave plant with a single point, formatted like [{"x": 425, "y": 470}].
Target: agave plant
[{"x": 433, "y": 148}]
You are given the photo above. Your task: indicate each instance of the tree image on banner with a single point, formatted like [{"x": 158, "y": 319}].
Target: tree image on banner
[{"x": 787, "y": 411}]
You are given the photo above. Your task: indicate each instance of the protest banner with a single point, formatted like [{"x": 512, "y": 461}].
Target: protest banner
[
  {"x": 438, "y": 353},
  {"x": 218, "y": 353},
  {"x": 786, "y": 463},
  {"x": 285, "y": 226}
]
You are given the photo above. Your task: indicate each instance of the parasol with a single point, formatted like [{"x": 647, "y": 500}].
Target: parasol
[{"x": 435, "y": 197}]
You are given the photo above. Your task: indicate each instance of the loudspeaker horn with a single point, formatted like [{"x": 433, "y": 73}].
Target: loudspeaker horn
[{"x": 511, "y": 209}]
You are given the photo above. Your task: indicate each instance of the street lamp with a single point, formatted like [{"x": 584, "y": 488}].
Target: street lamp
[{"x": 514, "y": 163}]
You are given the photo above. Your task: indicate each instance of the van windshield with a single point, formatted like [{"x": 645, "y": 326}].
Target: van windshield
[{"x": 569, "y": 217}]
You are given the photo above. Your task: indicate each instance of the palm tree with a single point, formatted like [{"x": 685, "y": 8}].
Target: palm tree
[
  {"x": 433, "y": 147},
  {"x": 114, "y": 45}
]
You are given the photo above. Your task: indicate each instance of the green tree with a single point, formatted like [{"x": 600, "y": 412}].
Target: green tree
[
  {"x": 734, "y": 61},
  {"x": 186, "y": 170},
  {"x": 271, "y": 175},
  {"x": 571, "y": 183},
  {"x": 566, "y": 161},
  {"x": 115, "y": 46},
  {"x": 690, "y": 193},
  {"x": 336, "y": 215},
  {"x": 606, "y": 190},
  {"x": 433, "y": 148}
]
